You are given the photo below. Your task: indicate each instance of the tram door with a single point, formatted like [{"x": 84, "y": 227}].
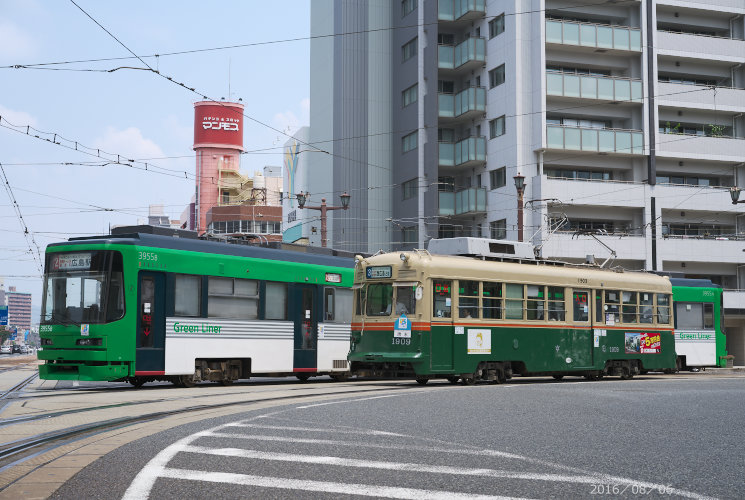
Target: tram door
[
  {"x": 442, "y": 338},
  {"x": 582, "y": 335},
  {"x": 151, "y": 324},
  {"x": 306, "y": 328}
]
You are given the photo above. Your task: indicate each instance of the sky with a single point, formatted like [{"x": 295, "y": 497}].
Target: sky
[{"x": 134, "y": 113}]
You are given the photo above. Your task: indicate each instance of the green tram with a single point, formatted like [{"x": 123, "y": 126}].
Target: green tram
[
  {"x": 699, "y": 326},
  {"x": 144, "y": 307},
  {"x": 428, "y": 316}
]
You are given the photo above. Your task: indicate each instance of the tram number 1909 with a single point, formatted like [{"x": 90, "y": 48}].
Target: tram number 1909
[{"x": 401, "y": 341}]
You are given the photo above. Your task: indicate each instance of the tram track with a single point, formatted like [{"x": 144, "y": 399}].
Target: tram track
[
  {"x": 17, "y": 452},
  {"x": 250, "y": 391},
  {"x": 20, "y": 385}
]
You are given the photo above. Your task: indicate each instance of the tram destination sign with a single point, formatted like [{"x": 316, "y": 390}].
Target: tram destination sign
[
  {"x": 378, "y": 272},
  {"x": 71, "y": 261}
]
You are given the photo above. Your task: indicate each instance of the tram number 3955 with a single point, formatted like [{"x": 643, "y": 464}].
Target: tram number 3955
[{"x": 401, "y": 341}]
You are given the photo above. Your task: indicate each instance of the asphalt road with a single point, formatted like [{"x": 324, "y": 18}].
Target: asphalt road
[{"x": 650, "y": 437}]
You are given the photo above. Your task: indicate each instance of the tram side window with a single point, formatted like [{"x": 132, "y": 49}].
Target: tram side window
[
  {"x": 513, "y": 304},
  {"x": 556, "y": 304},
  {"x": 709, "y": 316},
  {"x": 689, "y": 315},
  {"x": 580, "y": 307},
  {"x": 405, "y": 299},
  {"x": 442, "y": 299},
  {"x": 232, "y": 298},
  {"x": 359, "y": 301},
  {"x": 491, "y": 300},
  {"x": 187, "y": 292},
  {"x": 663, "y": 309},
  {"x": 337, "y": 305},
  {"x": 115, "y": 301},
  {"x": 536, "y": 302},
  {"x": 645, "y": 307},
  {"x": 612, "y": 306},
  {"x": 630, "y": 307},
  {"x": 379, "y": 299},
  {"x": 468, "y": 299},
  {"x": 276, "y": 301}
]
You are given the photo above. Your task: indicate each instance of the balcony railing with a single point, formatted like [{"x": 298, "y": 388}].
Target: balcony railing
[
  {"x": 472, "y": 50},
  {"x": 593, "y": 87},
  {"x": 466, "y": 201},
  {"x": 468, "y": 152},
  {"x": 597, "y": 140},
  {"x": 454, "y": 10},
  {"x": 471, "y": 100},
  {"x": 598, "y": 36}
]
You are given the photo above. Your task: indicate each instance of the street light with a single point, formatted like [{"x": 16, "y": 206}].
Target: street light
[
  {"x": 520, "y": 186},
  {"x": 734, "y": 193},
  {"x": 303, "y": 197}
]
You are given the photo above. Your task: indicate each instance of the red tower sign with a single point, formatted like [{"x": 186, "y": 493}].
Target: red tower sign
[{"x": 218, "y": 125}]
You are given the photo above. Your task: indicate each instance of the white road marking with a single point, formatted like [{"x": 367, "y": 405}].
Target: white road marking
[
  {"x": 143, "y": 483},
  {"x": 314, "y": 429},
  {"x": 402, "y": 466},
  {"x": 323, "y": 486},
  {"x": 347, "y": 401}
]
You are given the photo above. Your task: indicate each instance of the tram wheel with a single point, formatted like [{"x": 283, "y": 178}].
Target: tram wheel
[
  {"x": 186, "y": 381},
  {"x": 422, "y": 381},
  {"x": 302, "y": 377},
  {"x": 136, "y": 382},
  {"x": 453, "y": 380},
  {"x": 626, "y": 373},
  {"x": 226, "y": 382},
  {"x": 558, "y": 377},
  {"x": 340, "y": 377},
  {"x": 468, "y": 380}
]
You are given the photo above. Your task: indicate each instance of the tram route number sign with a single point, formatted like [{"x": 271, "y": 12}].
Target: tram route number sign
[{"x": 378, "y": 272}]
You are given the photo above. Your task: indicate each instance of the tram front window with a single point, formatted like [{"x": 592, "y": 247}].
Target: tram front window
[
  {"x": 83, "y": 287},
  {"x": 405, "y": 299},
  {"x": 379, "y": 299}
]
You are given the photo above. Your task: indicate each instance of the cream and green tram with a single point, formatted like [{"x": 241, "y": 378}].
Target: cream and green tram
[{"x": 425, "y": 316}]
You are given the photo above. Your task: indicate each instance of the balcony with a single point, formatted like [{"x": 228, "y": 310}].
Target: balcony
[
  {"x": 700, "y": 46},
  {"x": 682, "y": 95},
  {"x": 595, "y": 36},
  {"x": 627, "y": 142},
  {"x": 464, "y": 105},
  {"x": 699, "y": 249},
  {"x": 684, "y": 197},
  {"x": 700, "y": 147},
  {"x": 612, "y": 193},
  {"x": 593, "y": 87},
  {"x": 467, "y": 55},
  {"x": 568, "y": 246},
  {"x": 460, "y": 10},
  {"x": 464, "y": 202},
  {"x": 469, "y": 152}
]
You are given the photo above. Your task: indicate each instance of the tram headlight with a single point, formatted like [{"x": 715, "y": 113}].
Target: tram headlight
[{"x": 89, "y": 342}]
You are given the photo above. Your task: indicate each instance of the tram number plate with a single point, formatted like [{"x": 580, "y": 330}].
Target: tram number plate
[{"x": 378, "y": 272}]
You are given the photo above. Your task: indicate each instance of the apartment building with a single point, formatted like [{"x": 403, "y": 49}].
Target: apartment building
[
  {"x": 625, "y": 120},
  {"x": 19, "y": 309}
]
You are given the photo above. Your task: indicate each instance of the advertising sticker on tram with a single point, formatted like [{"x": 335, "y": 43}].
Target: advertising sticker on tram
[
  {"x": 402, "y": 327},
  {"x": 479, "y": 341}
]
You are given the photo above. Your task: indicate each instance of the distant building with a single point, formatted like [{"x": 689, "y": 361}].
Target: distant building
[{"x": 19, "y": 309}]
